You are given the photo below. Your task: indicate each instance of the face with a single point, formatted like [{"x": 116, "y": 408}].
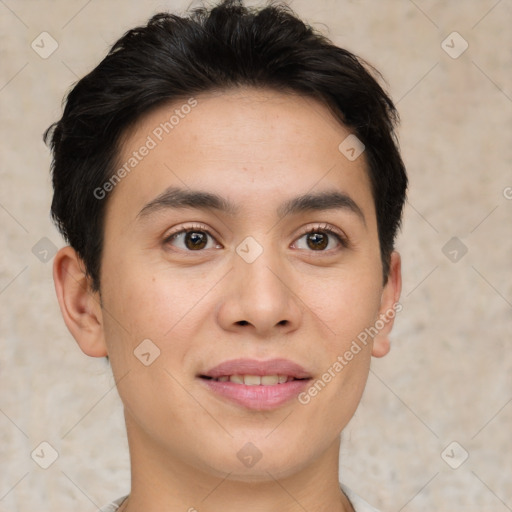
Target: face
[{"x": 273, "y": 272}]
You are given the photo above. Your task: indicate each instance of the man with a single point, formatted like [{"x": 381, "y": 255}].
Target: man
[{"x": 230, "y": 189}]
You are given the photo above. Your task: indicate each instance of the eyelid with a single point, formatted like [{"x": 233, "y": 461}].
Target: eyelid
[
  {"x": 185, "y": 229},
  {"x": 330, "y": 229},
  {"x": 324, "y": 227}
]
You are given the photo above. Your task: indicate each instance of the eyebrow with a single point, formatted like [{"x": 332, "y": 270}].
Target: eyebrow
[{"x": 175, "y": 198}]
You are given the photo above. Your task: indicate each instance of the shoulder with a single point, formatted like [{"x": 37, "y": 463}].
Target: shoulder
[
  {"x": 112, "y": 507},
  {"x": 357, "y": 502}
]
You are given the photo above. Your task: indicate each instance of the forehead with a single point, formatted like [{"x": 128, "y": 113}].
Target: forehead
[{"x": 245, "y": 143}]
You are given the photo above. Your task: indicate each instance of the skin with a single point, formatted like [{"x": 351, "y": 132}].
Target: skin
[{"x": 256, "y": 148}]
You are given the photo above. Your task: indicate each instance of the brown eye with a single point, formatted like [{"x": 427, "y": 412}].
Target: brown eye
[
  {"x": 191, "y": 240},
  {"x": 195, "y": 240},
  {"x": 317, "y": 241},
  {"x": 320, "y": 240}
]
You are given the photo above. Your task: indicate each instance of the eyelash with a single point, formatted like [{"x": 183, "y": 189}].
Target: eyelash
[{"x": 325, "y": 228}]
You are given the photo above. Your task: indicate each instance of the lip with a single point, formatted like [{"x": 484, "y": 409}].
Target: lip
[{"x": 256, "y": 397}]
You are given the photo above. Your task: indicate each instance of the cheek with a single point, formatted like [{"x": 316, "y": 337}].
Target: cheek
[
  {"x": 346, "y": 310},
  {"x": 146, "y": 313},
  {"x": 145, "y": 301},
  {"x": 347, "y": 302},
  {"x": 129, "y": 316}
]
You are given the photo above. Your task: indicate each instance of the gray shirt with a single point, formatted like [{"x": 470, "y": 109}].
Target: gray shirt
[{"x": 358, "y": 503}]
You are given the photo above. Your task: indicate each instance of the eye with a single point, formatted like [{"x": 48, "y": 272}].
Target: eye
[
  {"x": 192, "y": 239},
  {"x": 321, "y": 239}
]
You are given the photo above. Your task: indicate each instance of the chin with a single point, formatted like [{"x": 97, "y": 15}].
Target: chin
[{"x": 251, "y": 465}]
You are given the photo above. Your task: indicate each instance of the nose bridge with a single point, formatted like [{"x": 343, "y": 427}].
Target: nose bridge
[
  {"x": 263, "y": 296},
  {"x": 261, "y": 278},
  {"x": 257, "y": 266}
]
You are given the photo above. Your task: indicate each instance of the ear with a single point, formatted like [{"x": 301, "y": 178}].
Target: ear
[
  {"x": 79, "y": 304},
  {"x": 389, "y": 307}
]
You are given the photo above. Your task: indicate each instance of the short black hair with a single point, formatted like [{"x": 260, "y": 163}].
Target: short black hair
[{"x": 219, "y": 48}]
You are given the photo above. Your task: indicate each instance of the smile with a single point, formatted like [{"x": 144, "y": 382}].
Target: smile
[
  {"x": 254, "y": 380},
  {"x": 254, "y": 384}
]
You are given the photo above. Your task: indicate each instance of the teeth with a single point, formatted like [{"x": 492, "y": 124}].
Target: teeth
[
  {"x": 269, "y": 380},
  {"x": 256, "y": 380},
  {"x": 251, "y": 380}
]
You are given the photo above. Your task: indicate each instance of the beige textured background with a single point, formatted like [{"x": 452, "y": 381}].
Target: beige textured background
[{"x": 449, "y": 374}]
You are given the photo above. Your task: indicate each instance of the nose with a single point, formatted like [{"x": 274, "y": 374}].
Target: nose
[{"x": 261, "y": 298}]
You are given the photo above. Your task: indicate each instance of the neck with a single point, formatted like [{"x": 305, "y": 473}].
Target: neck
[{"x": 161, "y": 482}]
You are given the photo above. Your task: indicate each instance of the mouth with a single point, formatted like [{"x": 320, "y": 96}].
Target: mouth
[
  {"x": 253, "y": 380},
  {"x": 253, "y": 368},
  {"x": 257, "y": 385}
]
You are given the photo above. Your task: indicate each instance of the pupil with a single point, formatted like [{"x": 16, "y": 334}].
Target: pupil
[
  {"x": 317, "y": 241},
  {"x": 195, "y": 240}
]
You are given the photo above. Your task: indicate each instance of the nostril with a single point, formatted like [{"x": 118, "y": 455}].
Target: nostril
[{"x": 242, "y": 322}]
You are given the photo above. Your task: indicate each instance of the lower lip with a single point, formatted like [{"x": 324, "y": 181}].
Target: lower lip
[{"x": 262, "y": 398}]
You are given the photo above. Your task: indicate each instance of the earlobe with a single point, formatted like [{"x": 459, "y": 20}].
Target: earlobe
[
  {"x": 79, "y": 305},
  {"x": 389, "y": 307}
]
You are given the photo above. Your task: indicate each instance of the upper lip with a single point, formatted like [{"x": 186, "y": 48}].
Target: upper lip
[{"x": 254, "y": 367}]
